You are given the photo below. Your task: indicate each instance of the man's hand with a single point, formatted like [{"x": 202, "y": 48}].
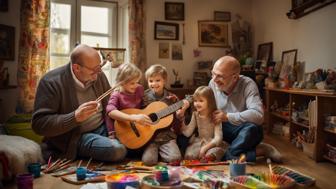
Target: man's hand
[
  {"x": 86, "y": 110},
  {"x": 141, "y": 119},
  {"x": 219, "y": 116}
]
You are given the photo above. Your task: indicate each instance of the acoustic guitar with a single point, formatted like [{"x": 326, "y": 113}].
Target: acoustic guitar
[{"x": 134, "y": 135}]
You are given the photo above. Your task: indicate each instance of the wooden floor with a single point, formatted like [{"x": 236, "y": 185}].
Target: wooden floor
[{"x": 324, "y": 172}]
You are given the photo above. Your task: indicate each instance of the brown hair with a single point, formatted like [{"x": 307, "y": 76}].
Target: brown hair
[
  {"x": 208, "y": 94},
  {"x": 156, "y": 69},
  {"x": 127, "y": 72}
]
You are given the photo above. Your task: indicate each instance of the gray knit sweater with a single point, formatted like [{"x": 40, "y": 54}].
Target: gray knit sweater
[{"x": 54, "y": 109}]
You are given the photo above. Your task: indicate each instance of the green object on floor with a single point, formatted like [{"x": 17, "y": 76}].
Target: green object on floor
[{"x": 20, "y": 125}]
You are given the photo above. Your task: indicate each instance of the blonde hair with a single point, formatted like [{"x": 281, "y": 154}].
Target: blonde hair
[
  {"x": 127, "y": 72},
  {"x": 156, "y": 69},
  {"x": 207, "y": 93}
]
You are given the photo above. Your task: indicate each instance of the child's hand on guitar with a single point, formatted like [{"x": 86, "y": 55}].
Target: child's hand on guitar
[
  {"x": 180, "y": 112},
  {"x": 141, "y": 119}
]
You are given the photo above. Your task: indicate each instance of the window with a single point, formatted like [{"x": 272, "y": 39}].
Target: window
[{"x": 94, "y": 23}]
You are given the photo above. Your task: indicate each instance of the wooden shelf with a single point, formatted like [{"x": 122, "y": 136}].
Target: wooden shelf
[
  {"x": 280, "y": 116},
  {"x": 329, "y": 130},
  {"x": 327, "y": 158},
  {"x": 325, "y": 101},
  {"x": 300, "y": 124}
]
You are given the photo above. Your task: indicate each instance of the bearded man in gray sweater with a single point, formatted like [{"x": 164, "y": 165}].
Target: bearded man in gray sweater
[{"x": 66, "y": 113}]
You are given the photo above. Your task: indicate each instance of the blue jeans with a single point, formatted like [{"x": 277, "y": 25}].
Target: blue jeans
[
  {"x": 97, "y": 145},
  {"x": 243, "y": 139}
]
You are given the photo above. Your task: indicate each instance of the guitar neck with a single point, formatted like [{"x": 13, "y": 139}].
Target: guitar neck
[{"x": 170, "y": 109}]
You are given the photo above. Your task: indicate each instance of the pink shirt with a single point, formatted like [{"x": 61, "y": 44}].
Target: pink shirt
[{"x": 122, "y": 100}]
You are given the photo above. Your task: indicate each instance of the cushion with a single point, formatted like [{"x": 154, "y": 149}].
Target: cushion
[{"x": 19, "y": 152}]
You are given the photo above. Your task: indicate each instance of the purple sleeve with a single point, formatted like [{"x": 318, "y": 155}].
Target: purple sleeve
[{"x": 113, "y": 103}]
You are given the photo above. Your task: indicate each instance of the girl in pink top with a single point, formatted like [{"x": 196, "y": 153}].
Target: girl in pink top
[{"x": 128, "y": 95}]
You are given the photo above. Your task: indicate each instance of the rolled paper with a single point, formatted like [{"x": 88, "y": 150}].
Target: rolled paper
[
  {"x": 122, "y": 180},
  {"x": 81, "y": 173},
  {"x": 24, "y": 181},
  {"x": 35, "y": 169}
]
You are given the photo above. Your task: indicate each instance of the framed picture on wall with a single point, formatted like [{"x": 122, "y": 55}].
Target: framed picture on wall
[
  {"x": 213, "y": 34},
  {"x": 222, "y": 16},
  {"x": 166, "y": 31},
  {"x": 174, "y": 11},
  {"x": 7, "y": 43}
]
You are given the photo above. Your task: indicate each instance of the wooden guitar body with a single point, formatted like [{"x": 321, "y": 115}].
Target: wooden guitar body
[{"x": 128, "y": 136}]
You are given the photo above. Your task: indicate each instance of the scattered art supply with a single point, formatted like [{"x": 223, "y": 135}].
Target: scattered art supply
[
  {"x": 81, "y": 173},
  {"x": 122, "y": 181},
  {"x": 67, "y": 171},
  {"x": 35, "y": 169},
  {"x": 24, "y": 181},
  {"x": 275, "y": 181},
  {"x": 149, "y": 182},
  {"x": 269, "y": 163},
  {"x": 247, "y": 182},
  {"x": 90, "y": 176},
  {"x": 299, "y": 178}
]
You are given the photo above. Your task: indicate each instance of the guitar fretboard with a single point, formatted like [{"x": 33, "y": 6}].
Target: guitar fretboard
[{"x": 170, "y": 109}]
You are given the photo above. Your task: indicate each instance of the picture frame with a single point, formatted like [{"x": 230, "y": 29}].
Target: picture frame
[
  {"x": 265, "y": 53},
  {"x": 222, "y": 16},
  {"x": 288, "y": 60},
  {"x": 3, "y": 5},
  {"x": 7, "y": 42},
  {"x": 113, "y": 56},
  {"x": 166, "y": 31},
  {"x": 174, "y": 11},
  {"x": 201, "y": 78},
  {"x": 212, "y": 33}
]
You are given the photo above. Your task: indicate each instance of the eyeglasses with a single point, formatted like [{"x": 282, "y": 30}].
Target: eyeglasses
[
  {"x": 221, "y": 77},
  {"x": 95, "y": 70}
]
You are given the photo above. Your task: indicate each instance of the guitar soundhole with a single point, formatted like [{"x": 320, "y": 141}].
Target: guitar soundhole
[{"x": 153, "y": 117}]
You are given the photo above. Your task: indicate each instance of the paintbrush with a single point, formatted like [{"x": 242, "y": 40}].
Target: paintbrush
[
  {"x": 108, "y": 92},
  {"x": 242, "y": 158},
  {"x": 80, "y": 163},
  {"x": 88, "y": 163},
  {"x": 269, "y": 162}
]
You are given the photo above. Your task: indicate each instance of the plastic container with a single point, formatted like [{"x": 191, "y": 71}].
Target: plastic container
[
  {"x": 24, "y": 181},
  {"x": 35, "y": 169},
  {"x": 237, "y": 169}
]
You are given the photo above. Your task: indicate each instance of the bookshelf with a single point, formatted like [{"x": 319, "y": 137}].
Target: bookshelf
[{"x": 293, "y": 99}]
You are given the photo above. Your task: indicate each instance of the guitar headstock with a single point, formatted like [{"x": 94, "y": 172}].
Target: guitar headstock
[{"x": 189, "y": 98}]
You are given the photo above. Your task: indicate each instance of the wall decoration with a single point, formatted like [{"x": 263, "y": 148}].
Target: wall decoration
[
  {"x": 3, "y": 5},
  {"x": 288, "y": 60},
  {"x": 222, "y": 16},
  {"x": 201, "y": 78},
  {"x": 113, "y": 56},
  {"x": 7, "y": 43},
  {"x": 265, "y": 54},
  {"x": 177, "y": 53},
  {"x": 163, "y": 50},
  {"x": 166, "y": 31},
  {"x": 174, "y": 11},
  {"x": 213, "y": 34}
]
